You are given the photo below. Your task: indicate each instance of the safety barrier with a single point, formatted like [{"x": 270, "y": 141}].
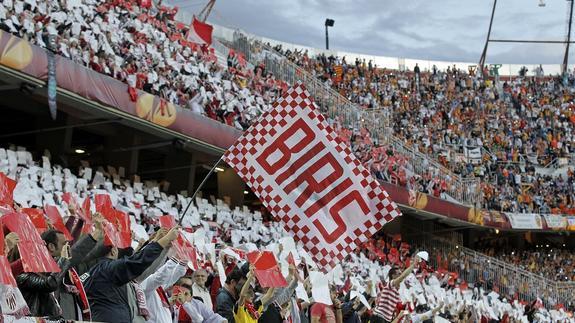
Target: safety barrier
[
  {"x": 349, "y": 115},
  {"x": 509, "y": 280}
]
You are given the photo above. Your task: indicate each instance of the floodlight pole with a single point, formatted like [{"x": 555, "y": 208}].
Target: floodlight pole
[
  {"x": 328, "y": 23},
  {"x": 568, "y": 40},
  {"x": 484, "y": 54},
  {"x": 326, "y": 38}
]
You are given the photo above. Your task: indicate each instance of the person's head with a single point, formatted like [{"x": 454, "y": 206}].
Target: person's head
[
  {"x": 235, "y": 280},
  {"x": 54, "y": 240},
  {"x": 333, "y": 293},
  {"x": 182, "y": 290},
  {"x": 186, "y": 281},
  {"x": 393, "y": 273},
  {"x": 200, "y": 277}
]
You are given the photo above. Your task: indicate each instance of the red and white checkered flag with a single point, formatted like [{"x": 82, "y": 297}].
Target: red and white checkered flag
[{"x": 307, "y": 177}]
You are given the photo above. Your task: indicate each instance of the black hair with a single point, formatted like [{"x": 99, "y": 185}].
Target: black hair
[
  {"x": 51, "y": 236},
  {"x": 125, "y": 252},
  {"x": 180, "y": 282},
  {"x": 235, "y": 275},
  {"x": 392, "y": 273}
]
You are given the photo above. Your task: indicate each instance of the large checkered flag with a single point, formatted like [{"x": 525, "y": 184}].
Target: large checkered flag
[{"x": 309, "y": 179}]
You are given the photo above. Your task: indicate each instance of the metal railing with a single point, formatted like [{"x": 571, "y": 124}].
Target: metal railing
[
  {"x": 340, "y": 109},
  {"x": 508, "y": 279},
  {"x": 464, "y": 190}
]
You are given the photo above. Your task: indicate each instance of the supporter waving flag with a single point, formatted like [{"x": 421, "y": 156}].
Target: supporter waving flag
[{"x": 310, "y": 180}]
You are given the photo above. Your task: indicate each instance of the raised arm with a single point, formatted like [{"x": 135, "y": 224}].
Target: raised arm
[
  {"x": 246, "y": 287},
  {"x": 165, "y": 276},
  {"x": 126, "y": 269},
  {"x": 405, "y": 273}
]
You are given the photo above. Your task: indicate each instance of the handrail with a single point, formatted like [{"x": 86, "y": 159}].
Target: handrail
[{"x": 340, "y": 109}]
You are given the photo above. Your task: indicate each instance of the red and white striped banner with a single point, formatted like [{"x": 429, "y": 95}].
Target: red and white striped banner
[{"x": 309, "y": 179}]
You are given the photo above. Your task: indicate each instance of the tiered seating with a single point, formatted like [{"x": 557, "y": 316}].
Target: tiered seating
[
  {"x": 146, "y": 48},
  {"x": 40, "y": 184}
]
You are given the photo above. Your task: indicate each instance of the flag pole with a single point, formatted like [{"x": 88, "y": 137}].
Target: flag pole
[{"x": 199, "y": 188}]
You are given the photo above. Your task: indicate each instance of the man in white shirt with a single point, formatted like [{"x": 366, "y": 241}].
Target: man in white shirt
[{"x": 199, "y": 289}]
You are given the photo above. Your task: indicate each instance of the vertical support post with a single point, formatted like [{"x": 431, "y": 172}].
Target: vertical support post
[
  {"x": 567, "y": 41},
  {"x": 484, "y": 54}
]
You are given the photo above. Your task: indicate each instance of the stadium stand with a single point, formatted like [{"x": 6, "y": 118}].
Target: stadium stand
[
  {"x": 443, "y": 143},
  {"x": 41, "y": 183}
]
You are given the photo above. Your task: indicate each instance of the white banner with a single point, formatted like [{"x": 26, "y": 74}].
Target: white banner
[
  {"x": 474, "y": 153},
  {"x": 525, "y": 220},
  {"x": 555, "y": 221}
]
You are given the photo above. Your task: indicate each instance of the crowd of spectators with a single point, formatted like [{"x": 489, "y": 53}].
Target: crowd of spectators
[
  {"x": 443, "y": 114},
  {"x": 116, "y": 280},
  {"x": 494, "y": 129},
  {"x": 556, "y": 263},
  {"x": 141, "y": 44}
]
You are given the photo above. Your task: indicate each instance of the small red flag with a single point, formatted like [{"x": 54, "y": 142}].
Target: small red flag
[
  {"x": 7, "y": 186},
  {"x": 37, "y": 218},
  {"x": 56, "y": 220}
]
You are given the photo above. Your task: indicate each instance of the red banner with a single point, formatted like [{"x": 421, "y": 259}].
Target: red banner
[
  {"x": 267, "y": 270},
  {"x": 33, "y": 252},
  {"x": 56, "y": 221},
  {"x": 37, "y": 218},
  {"x": 21, "y": 224},
  {"x": 309, "y": 179},
  {"x": 185, "y": 251},
  {"x": 36, "y": 258},
  {"x": 200, "y": 32},
  {"x": 7, "y": 186},
  {"x": 167, "y": 221}
]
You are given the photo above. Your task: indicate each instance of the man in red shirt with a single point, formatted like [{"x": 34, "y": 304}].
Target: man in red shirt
[{"x": 388, "y": 297}]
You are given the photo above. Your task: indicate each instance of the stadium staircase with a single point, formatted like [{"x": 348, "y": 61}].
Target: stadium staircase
[
  {"x": 508, "y": 279},
  {"x": 466, "y": 191}
]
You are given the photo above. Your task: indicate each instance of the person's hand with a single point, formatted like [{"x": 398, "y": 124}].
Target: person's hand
[
  {"x": 66, "y": 253},
  {"x": 179, "y": 298},
  {"x": 98, "y": 232},
  {"x": 11, "y": 241},
  {"x": 251, "y": 271},
  {"x": 172, "y": 235},
  {"x": 336, "y": 303},
  {"x": 160, "y": 234}
]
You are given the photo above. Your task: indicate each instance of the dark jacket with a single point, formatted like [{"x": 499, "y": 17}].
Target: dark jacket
[
  {"x": 225, "y": 304},
  {"x": 68, "y": 301},
  {"x": 37, "y": 289},
  {"x": 106, "y": 284}
]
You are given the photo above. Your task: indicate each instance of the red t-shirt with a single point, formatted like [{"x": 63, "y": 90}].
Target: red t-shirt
[{"x": 324, "y": 312}]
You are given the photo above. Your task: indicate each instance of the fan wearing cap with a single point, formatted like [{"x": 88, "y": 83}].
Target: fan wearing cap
[{"x": 388, "y": 297}]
